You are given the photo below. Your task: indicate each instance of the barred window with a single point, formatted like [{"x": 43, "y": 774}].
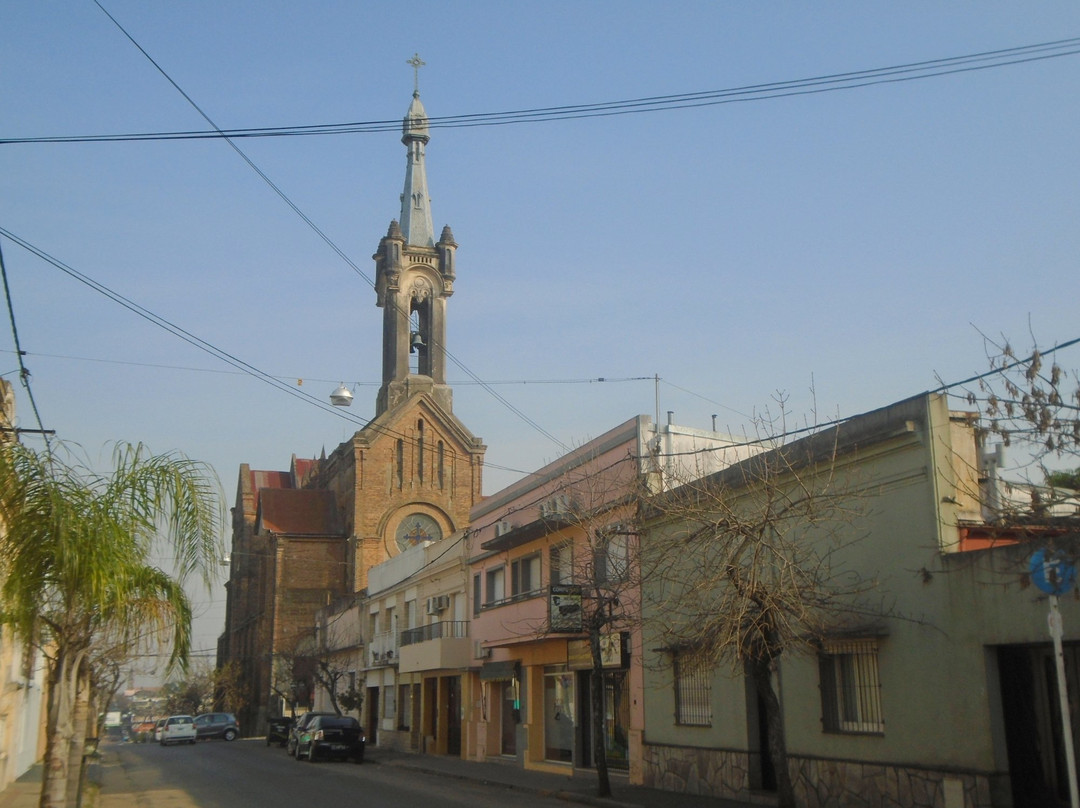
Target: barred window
[
  {"x": 693, "y": 691},
  {"x": 851, "y": 687}
]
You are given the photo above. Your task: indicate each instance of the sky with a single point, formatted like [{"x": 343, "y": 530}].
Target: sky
[{"x": 838, "y": 250}]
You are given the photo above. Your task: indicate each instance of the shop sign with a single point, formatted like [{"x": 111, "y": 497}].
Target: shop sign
[
  {"x": 564, "y": 609},
  {"x": 614, "y": 652}
]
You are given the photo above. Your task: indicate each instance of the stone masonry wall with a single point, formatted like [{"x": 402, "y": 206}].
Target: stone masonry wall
[{"x": 817, "y": 783}]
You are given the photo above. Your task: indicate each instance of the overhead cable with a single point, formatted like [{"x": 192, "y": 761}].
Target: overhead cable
[{"x": 931, "y": 68}]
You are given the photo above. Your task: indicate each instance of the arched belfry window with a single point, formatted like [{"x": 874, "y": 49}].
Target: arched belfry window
[{"x": 420, "y": 330}]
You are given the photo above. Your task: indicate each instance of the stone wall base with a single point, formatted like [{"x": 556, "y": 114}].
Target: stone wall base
[
  {"x": 818, "y": 783},
  {"x": 398, "y": 740}
]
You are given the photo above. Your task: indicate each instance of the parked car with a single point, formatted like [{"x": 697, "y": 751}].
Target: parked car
[
  {"x": 300, "y": 726},
  {"x": 217, "y": 725},
  {"x": 278, "y": 730},
  {"x": 158, "y": 727},
  {"x": 332, "y": 737},
  {"x": 178, "y": 729}
]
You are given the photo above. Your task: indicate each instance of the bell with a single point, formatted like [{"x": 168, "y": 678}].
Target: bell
[{"x": 417, "y": 342}]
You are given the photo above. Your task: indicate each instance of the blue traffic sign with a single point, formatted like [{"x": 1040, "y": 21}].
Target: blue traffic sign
[{"x": 1052, "y": 572}]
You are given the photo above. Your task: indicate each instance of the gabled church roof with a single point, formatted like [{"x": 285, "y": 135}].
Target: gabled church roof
[
  {"x": 305, "y": 511},
  {"x": 384, "y": 422}
]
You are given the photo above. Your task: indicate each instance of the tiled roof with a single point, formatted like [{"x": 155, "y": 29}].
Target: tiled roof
[
  {"x": 298, "y": 511},
  {"x": 270, "y": 479}
]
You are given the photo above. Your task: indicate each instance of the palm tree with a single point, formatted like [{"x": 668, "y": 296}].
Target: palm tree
[{"x": 77, "y": 578}]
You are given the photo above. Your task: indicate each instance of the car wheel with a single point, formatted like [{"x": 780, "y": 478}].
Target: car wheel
[
  {"x": 230, "y": 735},
  {"x": 311, "y": 754},
  {"x": 192, "y": 742}
]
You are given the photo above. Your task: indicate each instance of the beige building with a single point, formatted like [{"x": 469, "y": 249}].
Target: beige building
[{"x": 938, "y": 690}]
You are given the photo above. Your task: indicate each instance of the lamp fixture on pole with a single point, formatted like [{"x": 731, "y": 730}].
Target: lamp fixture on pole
[{"x": 342, "y": 397}]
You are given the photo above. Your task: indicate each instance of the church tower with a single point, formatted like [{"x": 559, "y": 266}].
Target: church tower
[{"x": 414, "y": 280}]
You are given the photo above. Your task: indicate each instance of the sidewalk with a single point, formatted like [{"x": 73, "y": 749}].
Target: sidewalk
[
  {"x": 24, "y": 792},
  {"x": 579, "y": 788}
]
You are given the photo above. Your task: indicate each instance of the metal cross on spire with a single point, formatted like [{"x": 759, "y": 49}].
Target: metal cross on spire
[{"x": 416, "y": 63}]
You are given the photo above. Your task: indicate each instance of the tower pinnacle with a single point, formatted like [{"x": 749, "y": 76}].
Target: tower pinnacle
[{"x": 415, "y": 218}]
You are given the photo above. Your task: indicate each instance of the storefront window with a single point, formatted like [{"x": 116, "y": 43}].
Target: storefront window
[{"x": 559, "y": 715}]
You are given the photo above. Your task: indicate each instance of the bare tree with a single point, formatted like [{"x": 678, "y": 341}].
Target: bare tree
[
  {"x": 319, "y": 655},
  {"x": 743, "y": 566},
  {"x": 1029, "y": 405},
  {"x": 232, "y": 692}
]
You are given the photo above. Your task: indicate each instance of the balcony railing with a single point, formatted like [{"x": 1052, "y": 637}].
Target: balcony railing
[{"x": 436, "y": 631}]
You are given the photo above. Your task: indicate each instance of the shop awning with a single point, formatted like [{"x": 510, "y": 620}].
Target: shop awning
[{"x": 499, "y": 671}]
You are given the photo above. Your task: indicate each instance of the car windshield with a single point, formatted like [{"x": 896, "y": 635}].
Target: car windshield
[{"x": 339, "y": 723}]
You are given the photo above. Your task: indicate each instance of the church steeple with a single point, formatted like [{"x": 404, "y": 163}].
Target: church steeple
[
  {"x": 415, "y": 203},
  {"x": 414, "y": 279}
]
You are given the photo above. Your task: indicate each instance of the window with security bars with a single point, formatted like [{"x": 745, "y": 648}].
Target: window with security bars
[
  {"x": 851, "y": 687},
  {"x": 693, "y": 691}
]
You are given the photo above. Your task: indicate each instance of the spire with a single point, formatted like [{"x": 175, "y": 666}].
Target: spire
[{"x": 415, "y": 203}]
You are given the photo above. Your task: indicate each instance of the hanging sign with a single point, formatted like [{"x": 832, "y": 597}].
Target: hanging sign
[{"x": 564, "y": 608}]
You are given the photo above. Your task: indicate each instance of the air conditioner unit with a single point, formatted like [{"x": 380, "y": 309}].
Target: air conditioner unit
[
  {"x": 431, "y": 607},
  {"x": 442, "y": 602},
  {"x": 502, "y": 528},
  {"x": 480, "y": 652}
]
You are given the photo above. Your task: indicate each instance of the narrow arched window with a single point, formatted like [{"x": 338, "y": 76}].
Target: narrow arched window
[
  {"x": 420, "y": 449},
  {"x": 400, "y": 462},
  {"x": 442, "y": 453}
]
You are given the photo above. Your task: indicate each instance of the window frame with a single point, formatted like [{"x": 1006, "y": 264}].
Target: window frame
[
  {"x": 850, "y": 684},
  {"x": 557, "y": 555},
  {"x": 692, "y": 685},
  {"x": 613, "y": 555},
  {"x": 525, "y": 581},
  {"x": 491, "y": 575}
]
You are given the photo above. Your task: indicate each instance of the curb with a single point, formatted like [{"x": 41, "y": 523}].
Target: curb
[{"x": 560, "y": 794}]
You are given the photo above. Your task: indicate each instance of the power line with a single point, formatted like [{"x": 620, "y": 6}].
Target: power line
[
  {"x": 913, "y": 71},
  {"x": 24, "y": 373},
  {"x": 301, "y": 379},
  {"x": 216, "y": 352},
  {"x": 319, "y": 232}
]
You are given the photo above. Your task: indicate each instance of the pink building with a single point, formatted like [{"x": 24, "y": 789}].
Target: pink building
[{"x": 549, "y": 556}]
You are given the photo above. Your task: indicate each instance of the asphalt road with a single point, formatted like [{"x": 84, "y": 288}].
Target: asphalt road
[{"x": 249, "y": 774}]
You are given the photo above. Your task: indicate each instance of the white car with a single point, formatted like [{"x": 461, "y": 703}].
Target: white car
[{"x": 178, "y": 729}]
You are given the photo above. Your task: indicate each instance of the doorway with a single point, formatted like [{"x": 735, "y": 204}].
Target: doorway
[
  {"x": 372, "y": 724},
  {"x": 1032, "y": 716},
  {"x": 508, "y": 718}
]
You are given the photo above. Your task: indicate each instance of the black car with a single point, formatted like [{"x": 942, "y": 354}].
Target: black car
[
  {"x": 278, "y": 730},
  {"x": 332, "y": 737},
  {"x": 217, "y": 725},
  {"x": 298, "y": 727}
]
